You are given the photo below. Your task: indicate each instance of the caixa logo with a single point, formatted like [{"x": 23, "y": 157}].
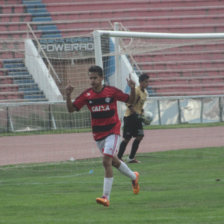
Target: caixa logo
[{"x": 100, "y": 108}]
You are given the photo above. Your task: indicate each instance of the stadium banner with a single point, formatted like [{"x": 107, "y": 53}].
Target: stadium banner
[{"x": 73, "y": 44}]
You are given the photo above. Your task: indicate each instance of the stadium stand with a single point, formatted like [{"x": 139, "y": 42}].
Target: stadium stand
[{"x": 169, "y": 76}]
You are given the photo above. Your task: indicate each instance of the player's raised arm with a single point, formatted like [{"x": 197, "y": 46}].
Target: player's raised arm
[
  {"x": 131, "y": 84},
  {"x": 68, "y": 90}
]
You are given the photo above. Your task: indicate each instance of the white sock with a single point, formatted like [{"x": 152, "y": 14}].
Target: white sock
[
  {"x": 124, "y": 169},
  {"x": 107, "y": 186}
]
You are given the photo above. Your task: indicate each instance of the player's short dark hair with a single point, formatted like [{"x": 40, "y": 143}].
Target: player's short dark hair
[
  {"x": 96, "y": 69},
  {"x": 143, "y": 77}
]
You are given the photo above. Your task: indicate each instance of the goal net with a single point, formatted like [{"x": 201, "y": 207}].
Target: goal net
[
  {"x": 185, "y": 70},
  {"x": 37, "y": 80}
]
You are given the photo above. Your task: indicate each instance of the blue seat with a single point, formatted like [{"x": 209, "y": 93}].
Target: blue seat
[
  {"x": 14, "y": 65},
  {"x": 18, "y": 73},
  {"x": 53, "y": 35},
  {"x": 33, "y": 2},
  {"x": 24, "y": 81},
  {"x": 42, "y": 19},
  {"x": 47, "y": 27}
]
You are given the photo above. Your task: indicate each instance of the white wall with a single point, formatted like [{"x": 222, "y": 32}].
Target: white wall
[{"x": 40, "y": 72}]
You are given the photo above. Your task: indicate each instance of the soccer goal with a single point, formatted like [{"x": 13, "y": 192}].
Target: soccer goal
[
  {"x": 186, "y": 71},
  {"x": 186, "y": 76}
]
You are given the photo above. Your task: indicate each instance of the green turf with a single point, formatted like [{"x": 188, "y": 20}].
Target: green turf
[{"x": 177, "y": 187}]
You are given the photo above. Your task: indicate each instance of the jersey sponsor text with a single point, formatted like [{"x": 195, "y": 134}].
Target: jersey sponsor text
[{"x": 100, "y": 108}]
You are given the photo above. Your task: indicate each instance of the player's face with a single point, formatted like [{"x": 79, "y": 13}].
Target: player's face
[
  {"x": 144, "y": 84},
  {"x": 95, "y": 81}
]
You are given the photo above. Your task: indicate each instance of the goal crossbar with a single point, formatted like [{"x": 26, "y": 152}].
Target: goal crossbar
[{"x": 160, "y": 35}]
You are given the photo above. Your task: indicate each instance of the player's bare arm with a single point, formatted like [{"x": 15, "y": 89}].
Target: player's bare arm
[
  {"x": 131, "y": 84},
  {"x": 68, "y": 90}
]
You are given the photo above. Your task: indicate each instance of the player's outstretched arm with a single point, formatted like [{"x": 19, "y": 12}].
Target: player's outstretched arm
[
  {"x": 68, "y": 90},
  {"x": 131, "y": 84}
]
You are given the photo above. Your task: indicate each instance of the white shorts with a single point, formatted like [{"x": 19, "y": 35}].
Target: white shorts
[{"x": 109, "y": 146}]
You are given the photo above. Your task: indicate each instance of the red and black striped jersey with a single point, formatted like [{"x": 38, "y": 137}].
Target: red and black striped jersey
[{"x": 103, "y": 108}]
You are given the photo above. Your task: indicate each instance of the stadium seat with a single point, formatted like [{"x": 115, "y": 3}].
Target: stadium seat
[
  {"x": 54, "y": 18},
  {"x": 21, "y": 82}
]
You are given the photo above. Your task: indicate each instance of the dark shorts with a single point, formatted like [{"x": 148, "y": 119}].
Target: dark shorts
[{"x": 132, "y": 126}]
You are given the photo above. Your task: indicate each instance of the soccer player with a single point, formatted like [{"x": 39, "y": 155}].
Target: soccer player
[
  {"x": 133, "y": 120},
  {"x": 101, "y": 100}
]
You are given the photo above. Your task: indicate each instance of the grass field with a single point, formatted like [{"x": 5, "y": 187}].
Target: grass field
[{"x": 177, "y": 187}]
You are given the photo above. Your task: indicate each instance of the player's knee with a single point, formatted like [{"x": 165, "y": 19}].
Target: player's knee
[
  {"x": 116, "y": 162},
  {"x": 139, "y": 138},
  {"x": 126, "y": 140}
]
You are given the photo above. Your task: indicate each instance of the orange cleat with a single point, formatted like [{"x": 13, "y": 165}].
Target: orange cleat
[
  {"x": 103, "y": 201},
  {"x": 135, "y": 185}
]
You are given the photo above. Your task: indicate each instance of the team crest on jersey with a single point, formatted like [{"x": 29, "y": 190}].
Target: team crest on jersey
[
  {"x": 107, "y": 99},
  {"x": 88, "y": 94}
]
